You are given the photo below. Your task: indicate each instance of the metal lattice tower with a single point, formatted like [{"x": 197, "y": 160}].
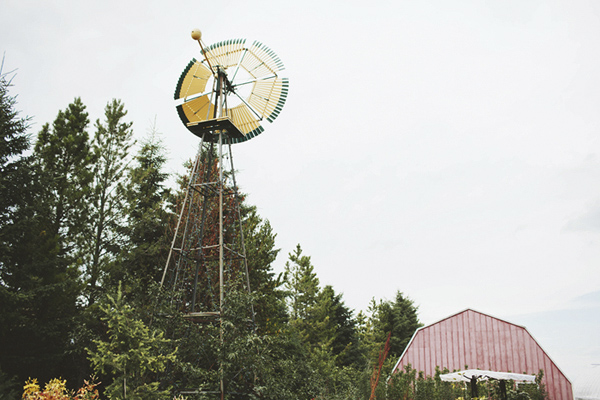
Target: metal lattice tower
[
  {"x": 207, "y": 252},
  {"x": 207, "y": 258}
]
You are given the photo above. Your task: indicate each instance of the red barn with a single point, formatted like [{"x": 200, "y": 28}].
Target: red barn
[{"x": 474, "y": 340}]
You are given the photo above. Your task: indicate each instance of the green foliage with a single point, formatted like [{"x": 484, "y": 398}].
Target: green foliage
[
  {"x": 110, "y": 149},
  {"x": 269, "y": 303},
  {"x": 301, "y": 284},
  {"x": 65, "y": 160},
  {"x": 339, "y": 325},
  {"x": 408, "y": 384},
  {"x": 286, "y": 370},
  {"x": 14, "y": 177},
  {"x": 398, "y": 317},
  {"x": 325, "y": 328},
  {"x": 530, "y": 391},
  {"x": 14, "y": 141},
  {"x": 144, "y": 240},
  {"x": 80, "y": 218},
  {"x": 38, "y": 283},
  {"x": 9, "y": 387},
  {"x": 131, "y": 353}
]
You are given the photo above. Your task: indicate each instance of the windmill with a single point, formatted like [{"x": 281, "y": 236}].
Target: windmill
[{"x": 223, "y": 98}]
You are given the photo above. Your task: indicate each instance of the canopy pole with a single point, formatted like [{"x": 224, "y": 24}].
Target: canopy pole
[{"x": 474, "y": 387}]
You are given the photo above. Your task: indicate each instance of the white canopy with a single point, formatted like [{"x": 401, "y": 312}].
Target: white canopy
[{"x": 467, "y": 375}]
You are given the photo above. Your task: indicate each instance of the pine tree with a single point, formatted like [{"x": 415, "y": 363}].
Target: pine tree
[
  {"x": 269, "y": 297},
  {"x": 145, "y": 238},
  {"x": 14, "y": 141},
  {"x": 65, "y": 158},
  {"x": 131, "y": 353},
  {"x": 398, "y": 317},
  {"x": 39, "y": 286},
  {"x": 15, "y": 178},
  {"x": 110, "y": 147},
  {"x": 339, "y": 329},
  {"x": 15, "y": 174},
  {"x": 324, "y": 327},
  {"x": 301, "y": 284}
]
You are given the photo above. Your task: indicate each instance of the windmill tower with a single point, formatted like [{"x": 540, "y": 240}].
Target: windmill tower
[{"x": 223, "y": 99}]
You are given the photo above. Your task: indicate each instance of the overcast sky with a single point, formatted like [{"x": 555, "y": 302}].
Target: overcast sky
[{"x": 446, "y": 149}]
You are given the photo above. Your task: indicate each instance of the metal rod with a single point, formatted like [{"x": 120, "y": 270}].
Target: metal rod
[
  {"x": 204, "y": 54},
  {"x": 181, "y": 213},
  {"x": 221, "y": 372},
  {"x": 207, "y": 171},
  {"x": 249, "y": 106},
  {"x": 241, "y": 227}
]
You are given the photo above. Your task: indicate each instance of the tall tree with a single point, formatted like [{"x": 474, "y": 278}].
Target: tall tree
[
  {"x": 110, "y": 147},
  {"x": 15, "y": 174},
  {"x": 301, "y": 284},
  {"x": 14, "y": 141},
  {"x": 66, "y": 161},
  {"x": 15, "y": 179},
  {"x": 338, "y": 328},
  {"x": 145, "y": 238},
  {"x": 324, "y": 328},
  {"x": 269, "y": 297},
  {"x": 131, "y": 353},
  {"x": 39, "y": 282},
  {"x": 398, "y": 317}
]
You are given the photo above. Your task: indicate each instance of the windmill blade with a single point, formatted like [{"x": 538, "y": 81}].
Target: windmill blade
[
  {"x": 193, "y": 80},
  {"x": 269, "y": 96},
  {"x": 227, "y": 53}
]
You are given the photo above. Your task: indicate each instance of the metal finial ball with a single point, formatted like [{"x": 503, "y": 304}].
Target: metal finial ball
[{"x": 196, "y": 34}]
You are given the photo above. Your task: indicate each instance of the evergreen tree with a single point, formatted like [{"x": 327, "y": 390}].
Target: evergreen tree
[
  {"x": 15, "y": 174},
  {"x": 339, "y": 329},
  {"x": 38, "y": 286},
  {"x": 145, "y": 237},
  {"x": 322, "y": 325},
  {"x": 14, "y": 141},
  {"x": 101, "y": 240},
  {"x": 286, "y": 370},
  {"x": 269, "y": 297},
  {"x": 15, "y": 178},
  {"x": 65, "y": 158},
  {"x": 398, "y": 317},
  {"x": 110, "y": 148},
  {"x": 301, "y": 284},
  {"x": 131, "y": 353}
]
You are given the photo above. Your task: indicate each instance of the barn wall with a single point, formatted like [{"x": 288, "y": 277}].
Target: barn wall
[{"x": 474, "y": 340}]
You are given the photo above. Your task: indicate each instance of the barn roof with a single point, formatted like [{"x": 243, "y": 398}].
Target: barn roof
[{"x": 471, "y": 339}]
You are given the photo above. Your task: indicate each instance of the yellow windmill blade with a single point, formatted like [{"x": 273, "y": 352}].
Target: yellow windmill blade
[{"x": 251, "y": 90}]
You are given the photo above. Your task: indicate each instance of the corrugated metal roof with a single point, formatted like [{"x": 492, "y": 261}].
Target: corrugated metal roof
[{"x": 470, "y": 339}]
